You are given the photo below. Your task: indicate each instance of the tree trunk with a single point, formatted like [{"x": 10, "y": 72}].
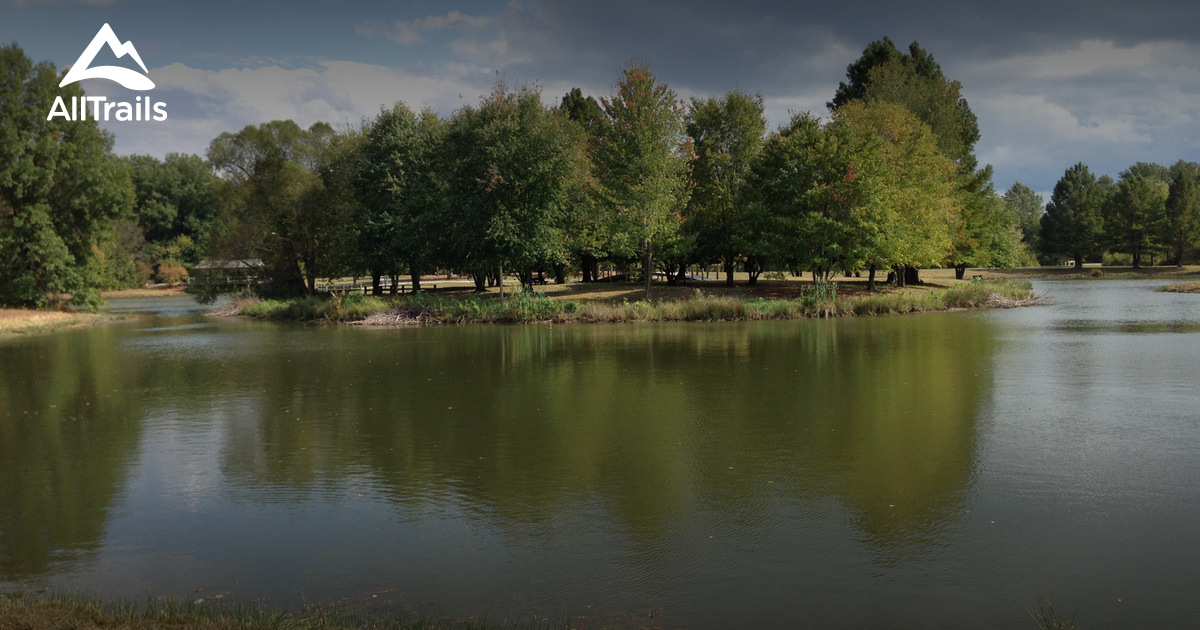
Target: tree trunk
[
  {"x": 414, "y": 273},
  {"x": 376, "y": 286},
  {"x": 912, "y": 275},
  {"x": 480, "y": 282},
  {"x": 648, "y": 267},
  {"x": 585, "y": 263},
  {"x": 728, "y": 272},
  {"x": 900, "y": 276},
  {"x": 960, "y": 271},
  {"x": 560, "y": 274},
  {"x": 1137, "y": 258},
  {"x": 500, "y": 275},
  {"x": 1078, "y": 261},
  {"x": 753, "y": 270},
  {"x": 871, "y": 278}
]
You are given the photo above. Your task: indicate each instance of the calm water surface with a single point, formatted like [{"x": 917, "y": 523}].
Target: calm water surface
[{"x": 943, "y": 470}]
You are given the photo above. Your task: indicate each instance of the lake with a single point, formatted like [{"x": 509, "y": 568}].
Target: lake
[{"x": 937, "y": 470}]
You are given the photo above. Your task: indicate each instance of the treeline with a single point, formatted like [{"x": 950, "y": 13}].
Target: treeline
[
  {"x": 1151, "y": 213},
  {"x": 76, "y": 219},
  {"x": 639, "y": 180}
]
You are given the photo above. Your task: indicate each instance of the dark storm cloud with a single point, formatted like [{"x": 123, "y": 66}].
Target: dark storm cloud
[{"x": 1052, "y": 83}]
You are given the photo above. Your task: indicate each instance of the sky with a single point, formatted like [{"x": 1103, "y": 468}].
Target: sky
[{"x": 1052, "y": 83}]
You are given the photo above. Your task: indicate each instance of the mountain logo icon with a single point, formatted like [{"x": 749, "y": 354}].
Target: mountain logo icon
[{"x": 124, "y": 76}]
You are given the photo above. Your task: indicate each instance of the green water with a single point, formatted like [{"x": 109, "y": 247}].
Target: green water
[{"x": 942, "y": 470}]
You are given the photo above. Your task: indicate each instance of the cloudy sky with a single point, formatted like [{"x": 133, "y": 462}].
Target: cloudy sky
[{"x": 1052, "y": 82}]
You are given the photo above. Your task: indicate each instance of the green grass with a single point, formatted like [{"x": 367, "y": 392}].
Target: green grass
[
  {"x": 350, "y": 307},
  {"x": 60, "y": 612},
  {"x": 818, "y": 301}
]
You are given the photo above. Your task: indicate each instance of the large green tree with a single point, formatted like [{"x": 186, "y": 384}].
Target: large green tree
[
  {"x": 400, "y": 189},
  {"x": 1073, "y": 224},
  {"x": 643, "y": 154},
  {"x": 820, "y": 184},
  {"x": 915, "y": 80},
  {"x": 512, "y": 168},
  {"x": 917, "y": 206},
  {"x": 277, "y": 208},
  {"x": 1180, "y": 227},
  {"x": 61, "y": 189},
  {"x": 728, "y": 135},
  {"x": 175, "y": 207},
  {"x": 986, "y": 234},
  {"x": 1136, "y": 209}
]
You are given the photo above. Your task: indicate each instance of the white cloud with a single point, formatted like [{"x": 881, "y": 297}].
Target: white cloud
[
  {"x": 409, "y": 32},
  {"x": 1090, "y": 57},
  {"x": 203, "y": 103},
  {"x": 1094, "y": 102}
]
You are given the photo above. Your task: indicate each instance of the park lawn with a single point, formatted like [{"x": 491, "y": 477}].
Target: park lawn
[
  {"x": 25, "y": 321},
  {"x": 154, "y": 290}
]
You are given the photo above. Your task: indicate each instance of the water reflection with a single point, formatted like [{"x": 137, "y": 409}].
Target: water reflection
[
  {"x": 552, "y": 468},
  {"x": 514, "y": 421},
  {"x": 70, "y": 421}
]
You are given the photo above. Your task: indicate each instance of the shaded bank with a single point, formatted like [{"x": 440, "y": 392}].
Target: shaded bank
[{"x": 819, "y": 301}]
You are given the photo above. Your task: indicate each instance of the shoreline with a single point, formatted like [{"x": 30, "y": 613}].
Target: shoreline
[
  {"x": 573, "y": 306},
  {"x": 20, "y": 322}
]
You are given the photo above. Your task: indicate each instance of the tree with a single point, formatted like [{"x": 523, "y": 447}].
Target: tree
[
  {"x": 1073, "y": 222},
  {"x": 877, "y": 53},
  {"x": 818, "y": 185},
  {"x": 583, "y": 110},
  {"x": 588, "y": 234},
  {"x": 985, "y": 234},
  {"x": 728, "y": 135},
  {"x": 642, "y": 155},
  {"x": 61, "y": 189},
  {"x": 1180, "y": 228},
  {"x": 513, "y": 167},
  {"x": 400, "y": 191},
  {"x": 934, "y": 99},
  {"x": 1027, "y": 206},
  {"x": 275, "y": 210},
  {"x": 1136, "y": 209},
  {"x": 917, "y": 205},
  {"x": 174, "y": 208}
]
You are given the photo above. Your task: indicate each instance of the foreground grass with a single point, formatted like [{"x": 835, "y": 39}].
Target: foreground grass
[
  {"x": 59, "y": 612},
  {"x": 817, "y": 301},
  {"x": 24, "y": 322}
]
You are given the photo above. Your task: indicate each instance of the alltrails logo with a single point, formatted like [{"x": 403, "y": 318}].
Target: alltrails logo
[{"x": 143, "y": 108}]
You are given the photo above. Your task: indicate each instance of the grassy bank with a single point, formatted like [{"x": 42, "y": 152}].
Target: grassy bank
[
  {"x": 59, "y": 612},
  {"x": 24, "y": 322},
  {"x": 1182, "y": 287},
  {"x": 565, "y": 306}
]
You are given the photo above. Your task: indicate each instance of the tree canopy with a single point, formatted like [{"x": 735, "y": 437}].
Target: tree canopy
[
  {"x": 643, "y": 154},
  {"x": 61, "y": 189},
  {"x": 1073, "y": 222}
]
